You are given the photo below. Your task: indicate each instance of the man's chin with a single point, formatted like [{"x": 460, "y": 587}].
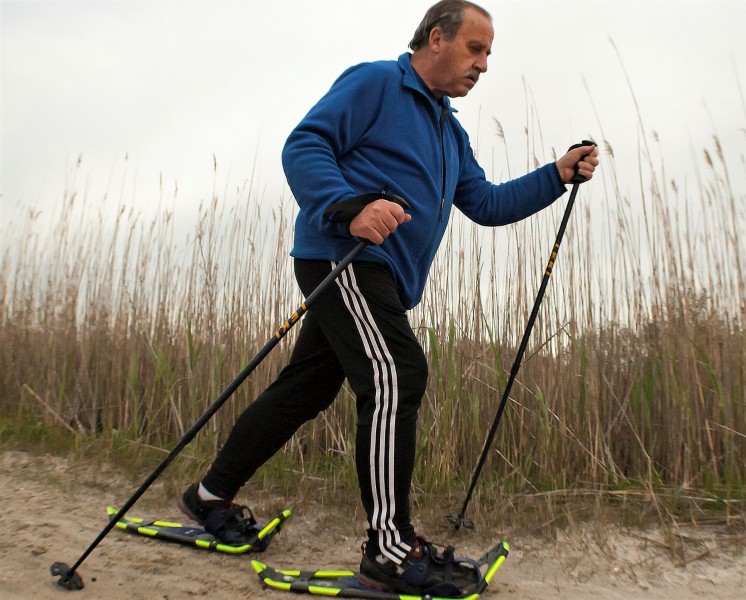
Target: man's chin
[{"x": 459, "y": 92}]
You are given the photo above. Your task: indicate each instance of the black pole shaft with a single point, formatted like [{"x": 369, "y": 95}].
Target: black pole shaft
[
  {"x": 521, "y": 351},
  {"x": 224, "y": 395}
]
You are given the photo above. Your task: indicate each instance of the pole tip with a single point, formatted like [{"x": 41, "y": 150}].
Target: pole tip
[
  {"x": 457, "y": 520},
  {"x": 68, "y": 578}
]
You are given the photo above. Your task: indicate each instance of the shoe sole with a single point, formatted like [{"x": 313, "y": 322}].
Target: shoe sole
[
  {"x": 373, "y": 584},
  {"x": 391, "y": 585}
]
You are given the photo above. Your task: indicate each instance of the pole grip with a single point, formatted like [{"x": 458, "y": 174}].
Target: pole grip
[{"x": 578, "y": 178}]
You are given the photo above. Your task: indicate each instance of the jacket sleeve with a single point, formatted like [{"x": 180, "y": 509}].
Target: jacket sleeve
[
  {"x": 501, "y": 204},
  {"x": 333, "y": 127}
]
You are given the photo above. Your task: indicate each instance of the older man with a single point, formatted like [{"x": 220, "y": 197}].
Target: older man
[{"x": 384, "y": 132}]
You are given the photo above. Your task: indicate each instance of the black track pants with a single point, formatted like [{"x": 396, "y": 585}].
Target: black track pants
[{"x": 357, "y": 330}]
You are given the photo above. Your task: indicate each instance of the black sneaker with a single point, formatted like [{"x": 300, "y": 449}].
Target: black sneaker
[
  {"x": 425, "y": 571},
  {"x": 227, "y": 521}
]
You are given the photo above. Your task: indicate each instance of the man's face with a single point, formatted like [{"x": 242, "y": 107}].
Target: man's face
[{"x": 461, "y": 61}]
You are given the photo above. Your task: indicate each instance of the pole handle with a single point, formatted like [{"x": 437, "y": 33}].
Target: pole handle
[{"x": 578, "y": 178}]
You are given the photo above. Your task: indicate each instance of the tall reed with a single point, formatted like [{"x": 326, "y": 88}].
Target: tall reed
[{"x": 116, "y": 326}]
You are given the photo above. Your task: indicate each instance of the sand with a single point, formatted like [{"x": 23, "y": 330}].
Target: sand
[{"x": 53, "y": 508}]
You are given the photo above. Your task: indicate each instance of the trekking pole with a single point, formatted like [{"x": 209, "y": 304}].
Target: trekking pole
[
  {"x": 68, "y": 577},
  {"x": 460, "y": 519}
]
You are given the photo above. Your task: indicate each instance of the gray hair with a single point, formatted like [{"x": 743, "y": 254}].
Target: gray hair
[{"x": 446, "y": 14}]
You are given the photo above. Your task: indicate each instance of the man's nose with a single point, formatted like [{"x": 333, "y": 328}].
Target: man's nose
[{"x": 481, "y": 63}]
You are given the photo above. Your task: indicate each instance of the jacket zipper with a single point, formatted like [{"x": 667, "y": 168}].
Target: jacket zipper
[{"x": 443, "y": 115}]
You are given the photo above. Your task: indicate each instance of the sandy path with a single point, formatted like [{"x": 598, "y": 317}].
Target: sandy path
[{"x": 52, "y": 510}]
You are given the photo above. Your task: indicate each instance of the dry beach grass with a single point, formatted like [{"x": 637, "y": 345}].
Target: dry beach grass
[{"x": 624, "y": 438}]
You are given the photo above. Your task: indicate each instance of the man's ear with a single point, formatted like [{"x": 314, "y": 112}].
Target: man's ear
[{"x": 435, "y": 39}]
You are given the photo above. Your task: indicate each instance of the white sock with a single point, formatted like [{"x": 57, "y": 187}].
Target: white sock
[{"x": 206, "y": 494}]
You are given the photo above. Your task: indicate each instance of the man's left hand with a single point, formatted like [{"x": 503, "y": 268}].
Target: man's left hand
[{"x": 586, "y": 159}]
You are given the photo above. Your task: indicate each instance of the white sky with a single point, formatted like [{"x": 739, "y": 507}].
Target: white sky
[{"x": 170, "y": 84}]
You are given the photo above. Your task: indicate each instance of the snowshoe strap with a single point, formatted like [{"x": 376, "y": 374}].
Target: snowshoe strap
[
  {"x": 460, "y": 574},
  {"x": 235, "y": 518}
]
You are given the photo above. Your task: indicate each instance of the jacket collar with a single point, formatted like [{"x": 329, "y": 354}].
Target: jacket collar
[{"x": 411, "y": 79}]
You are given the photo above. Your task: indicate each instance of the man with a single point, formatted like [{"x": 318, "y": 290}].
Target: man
[{"x": 384, "y": 132}]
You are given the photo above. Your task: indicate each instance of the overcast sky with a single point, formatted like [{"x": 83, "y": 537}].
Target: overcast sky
[{"x": 171, "y": 84}]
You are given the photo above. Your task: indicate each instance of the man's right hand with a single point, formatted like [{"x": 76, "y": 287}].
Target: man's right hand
[{"x": 378, "y": 220}]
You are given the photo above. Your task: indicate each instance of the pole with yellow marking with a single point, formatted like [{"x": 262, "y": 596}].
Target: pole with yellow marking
[
  {"x": 459, "y": 519},
  {"x": 68, "y": 576}
]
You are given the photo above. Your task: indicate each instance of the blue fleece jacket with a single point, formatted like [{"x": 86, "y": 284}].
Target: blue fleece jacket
[{"x": 379, "y": 129}]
